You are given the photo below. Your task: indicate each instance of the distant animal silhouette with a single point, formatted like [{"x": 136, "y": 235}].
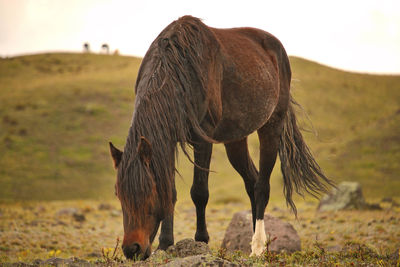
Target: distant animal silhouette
[
  {"x": 105, "y": 48},
  {"x": 86, "y": 48},
  {"x": 197, "y": 86}
]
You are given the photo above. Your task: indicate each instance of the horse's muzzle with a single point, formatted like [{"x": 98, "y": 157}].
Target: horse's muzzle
[{"x": 135, "y": 252}]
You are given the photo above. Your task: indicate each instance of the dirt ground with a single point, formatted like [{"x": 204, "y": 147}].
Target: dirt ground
[{"x": 87, "y": 229}]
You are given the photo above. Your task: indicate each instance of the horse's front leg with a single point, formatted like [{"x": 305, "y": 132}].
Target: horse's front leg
[
  {"x": 166, "y": 238},
  {"x": 199, "y": 190}
]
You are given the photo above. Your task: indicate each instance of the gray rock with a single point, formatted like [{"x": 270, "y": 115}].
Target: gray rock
[
  {"x": 115, "y": 213},
  {"x": 94, "y": 254},
  {"x": 157, "y": 258},
  {"x": 66, "y": 212},
  {"x": 188, "y": 247},
  {"x": 76, "y": 215},
  {"x": 159, "y": 253},
  {"x": 58, "y": 262},
  {"x": 71, "y": 262},
  {"x": 373, "y": 206},
  {"x": 105, "y": 206},
  {"x": 55, "y": 261},
  {"x": 387, "y": 199},
  {"x": 347, "y": 196},
  {"x": 17, "y": 264},
  {"x": 239, "y": 234},
  {"x": 391, "y": 201},
  {"x": 79, "y": 217},
  {"x": 199, "y": 260},
  {"x": 188, "y": 253}
]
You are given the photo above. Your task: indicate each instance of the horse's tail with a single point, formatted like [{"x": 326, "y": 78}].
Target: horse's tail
[{"x": 299, "y": 169}]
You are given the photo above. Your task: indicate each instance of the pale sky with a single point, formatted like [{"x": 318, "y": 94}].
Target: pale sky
[{"x": 356, "y": 35}]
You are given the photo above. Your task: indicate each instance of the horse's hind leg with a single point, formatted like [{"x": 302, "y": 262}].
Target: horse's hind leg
[
  {"x": 269, "y": 143},
  {"x": 199, "y": 190},
  {"x": 238, "y": 155}
]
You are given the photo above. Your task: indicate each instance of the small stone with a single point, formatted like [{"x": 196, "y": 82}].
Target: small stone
[
  {"x": 387, "y": 199},
  {"x": 66, "y": 212},
  {"x": 105, "y": 206},
  {"x": 159, "y": 253},
  {"x": 94, "y": 254},
  {"x": 54, "y": 262},
  {"x": 73, "y": 261},
  {"x": 59, "y": 222},
  {"x": 395, "y": 204},
  {"x": 158, "y": 256},
  {"x": 188, "y": 247},
  {"x": 87, "y": 209},
  {"x": 79, "y": 217},
  {"x": 199, "y": 260},
  {"x": 373, "y": 206},
  {"x": 115, "y": 213}
]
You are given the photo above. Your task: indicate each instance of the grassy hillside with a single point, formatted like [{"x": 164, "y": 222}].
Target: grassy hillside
[
  {"x": 58, "y": 111},
  {"x": 357, "y": 117}
]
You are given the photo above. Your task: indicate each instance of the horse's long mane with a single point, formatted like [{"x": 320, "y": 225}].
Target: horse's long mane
[{"x": 170, "y": 82}]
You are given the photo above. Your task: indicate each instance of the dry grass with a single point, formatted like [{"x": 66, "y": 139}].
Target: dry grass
[{"x": 49, "y": 229}]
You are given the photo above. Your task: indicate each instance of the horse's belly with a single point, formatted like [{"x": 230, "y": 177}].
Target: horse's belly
[{"x": 248, "y": 102}]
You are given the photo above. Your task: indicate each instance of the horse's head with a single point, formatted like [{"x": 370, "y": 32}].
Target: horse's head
[{"x": 141, "y": 216}]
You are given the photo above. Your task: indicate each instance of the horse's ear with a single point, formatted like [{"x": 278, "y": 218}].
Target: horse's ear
[
  {"x": 144, "y": 150},
  {"x": 116, "y": 155}
]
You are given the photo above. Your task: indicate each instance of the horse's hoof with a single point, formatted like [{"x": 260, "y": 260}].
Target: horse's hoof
[
  {"x": 202, "y": 237},
  {"x": 164, "y": 246}
]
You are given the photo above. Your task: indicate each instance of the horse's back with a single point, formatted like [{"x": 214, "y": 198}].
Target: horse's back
[{"x": 250, "y": 83}]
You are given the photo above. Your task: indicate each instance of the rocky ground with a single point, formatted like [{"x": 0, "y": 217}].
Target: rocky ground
[{"x": 77, "y": 233}]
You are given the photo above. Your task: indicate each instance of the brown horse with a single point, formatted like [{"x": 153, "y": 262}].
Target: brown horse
[{"x": 196, "y": 86}]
